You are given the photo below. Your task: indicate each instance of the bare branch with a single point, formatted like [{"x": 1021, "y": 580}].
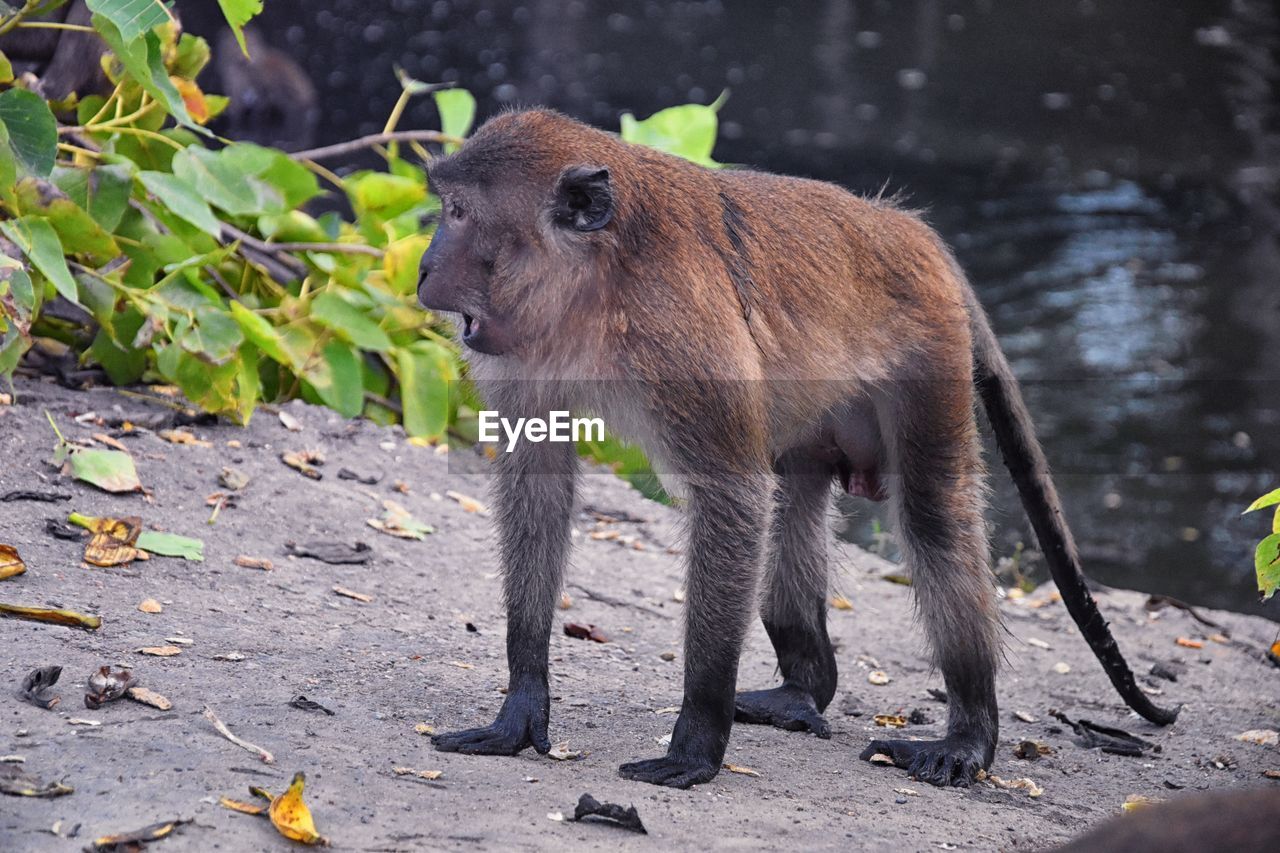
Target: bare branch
[{"x": 371, "y": 140}]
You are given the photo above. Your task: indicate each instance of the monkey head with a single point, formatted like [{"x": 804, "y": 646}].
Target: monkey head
[{"x": 525, "y": 210}]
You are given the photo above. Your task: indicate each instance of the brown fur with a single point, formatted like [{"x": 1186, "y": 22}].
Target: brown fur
[{"x": 760, "y": 336}]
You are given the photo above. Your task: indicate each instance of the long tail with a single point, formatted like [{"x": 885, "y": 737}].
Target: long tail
[{"x": 1016, "y": 438}]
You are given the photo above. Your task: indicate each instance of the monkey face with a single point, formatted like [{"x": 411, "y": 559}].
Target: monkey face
[
  {"x": 498, "y": 257},
  {"x": 456, "y": 274}
]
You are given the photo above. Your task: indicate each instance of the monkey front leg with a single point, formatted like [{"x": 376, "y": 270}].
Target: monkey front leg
[
  {"x": 533, "y": 503},
  {"x": 729, "y": 520}
]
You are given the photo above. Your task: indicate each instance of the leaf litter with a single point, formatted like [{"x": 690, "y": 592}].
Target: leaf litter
[
  {"x": 37, "y": 687},
  {"x": 107, "y": 685},
  {"x": 398, "y": 521},
  {"x": 11, "y": 564}
]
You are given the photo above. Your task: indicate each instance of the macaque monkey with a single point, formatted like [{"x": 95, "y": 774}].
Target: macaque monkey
[
  {"x": 761, "y": 337},
  {"x": 273, "y": 101}
]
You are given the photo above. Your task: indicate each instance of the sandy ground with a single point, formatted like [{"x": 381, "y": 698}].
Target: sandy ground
[{"x": 408, "y": 657}]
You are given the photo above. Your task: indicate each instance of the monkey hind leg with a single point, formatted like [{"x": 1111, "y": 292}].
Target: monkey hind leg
[
  {"x": 794, "y": 605},
  {"x": 938, "y": 500}
]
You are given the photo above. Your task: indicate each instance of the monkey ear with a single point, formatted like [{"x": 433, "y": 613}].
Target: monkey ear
[{"x": 584, "y": 198}]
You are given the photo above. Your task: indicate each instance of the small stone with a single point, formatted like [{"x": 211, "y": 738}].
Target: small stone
[
  {"x": 668, "y": 656},
  {"x": 878, "y": 677}
]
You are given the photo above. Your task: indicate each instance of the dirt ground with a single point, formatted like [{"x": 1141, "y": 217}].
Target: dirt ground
[{"x": 409, "y": 657}]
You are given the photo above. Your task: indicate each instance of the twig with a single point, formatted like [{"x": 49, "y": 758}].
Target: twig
[
  {"x": 338, "y": 248},
  {"x": 617, "y": 602},
  {"x": 266, "y": 757},
  {"x": 371, "y": 140},
  {"x": 50, "y": 25}
]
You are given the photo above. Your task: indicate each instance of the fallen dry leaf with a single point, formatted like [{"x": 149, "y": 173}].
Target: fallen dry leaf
[
  {"x": 585, "y": 632},
  {"x": 397, "y": 521},
  {"x": 79, "y": 721},
  {"x": 1033, "y": 790},
  {"x": 565, "y": 601},
  {"x": 1062, "y": 667},
  {"x": 254, "y": 563},
  {"x": 1039, "y": 644},
  {"x": 181, "y": 436},
  {"x": 70, "y": 618},
  {"x": 18, "y": 785},
  {"x": 460, "y": 665},
  {"x": 1188, "y": 643},
  {"x": 604, "y": 535},
  {"x": 243, "y": 807},
  {"x": 878, "y": 677},
  {"x": 907, "y": 792},
  {"x": 467, "y": 503},
  {"x": 290, "y": 423},
  {"x": 562, "y": 752},
  {"x": 893, "y": 721},
  {"x": 136, "y": 839},
  {"x": 303, "y": 461},
  {"x": 881, "y": 758},
  {"x": 1133, "y": 802},
  {"x": 233, "y": 479},
  {"x": 11, "y": 564},
  {"x": 180, "y": 641},
  {"x": 231, "y": 656},
  {"x": 160, "y": 651},
  {"x": 113, "y": 541},
  {"x": 291, "y": 817},
  {"x": 1262, "y": 737},
  {"x": 745, "y": 771},
  {"x": 150, "y": 605},
  {"x": 422, "y": 774},
  {"x": 424, "y": 729},
  {"x": 350, "y": 593},
  {"x": 113, "y": 443},
  {"x": 839, "y": 602},
  {"x": 1025, "y": 717},
  {"x": 149, "y": 697}
]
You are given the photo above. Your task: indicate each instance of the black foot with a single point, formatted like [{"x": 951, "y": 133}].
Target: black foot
[
  {"x": 786, "y": 707},
  {"x": 521, "y": 723},
  {"x": 670, "y": 771},
  {"x": 952, "y": 761}
]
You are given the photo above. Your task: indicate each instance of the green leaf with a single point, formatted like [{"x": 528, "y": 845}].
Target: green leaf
[
  {"x": 260, "y": 333},
  {"x": 215, "y": 337},
  {"x": 182, "y": 199},
  {"x": 192, "y": 56},
  {"x": 109, "y": 470},
  {"x": 386, "y": 195},
  {"x": 425, "y": 370},
  {"x": 286, "y": 176},
  {"x": 1269, "y": 499},
  {"x": 239, "y": 13},
  {"x": 131, "y": 17},
  {"x": 1266, "y": 562},
  {"x": 223, "y": 185},
  {"x": 687, "y": 131},
  {"x": 457, "y": 108},
  {"x": 79, "y": 233},
  {"x": 33, "y": 131},
  {"x": 330, "y": 310},
  {"x": 143, "y": 58},
  {"x": 171, "y": 545},
  {"x": 337, "y": 379},
  {"x": 124, "y": 364},
  {"x": 103, "y": 190},
  {"x": 292, "y": 227},
  {"x": 8, "y": 165},
  {"x": 37, "y": 239},
  {"x": 6, "y": 69}
]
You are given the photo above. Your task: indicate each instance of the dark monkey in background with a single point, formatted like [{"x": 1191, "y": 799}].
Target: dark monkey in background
[{"x": 761, "y": 337}]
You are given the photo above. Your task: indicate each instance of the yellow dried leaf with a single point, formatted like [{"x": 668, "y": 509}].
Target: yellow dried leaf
[
  {"x": 254, "y": 563},
  {"x": 839, "y": 602},
  {"x": 893, "y": 721},
  {"x": 467, "y": 503},
  {"x": 113, "y": 539},
  {"x": 302, "y": 462},
  {"x": 160, "y": 651},
  {"x": 11, "y": 564},
  {"x": 239, "y": 806},
  {"x": 181, "y": 436},
  {"x": 421, "y": 774},
  {"x": 150, "y": 605},
  {"x": 745, "y": 771},
  {"x": 149, "y": 697},
  {"x": 1133, "y": 802},
  {"x": 291, "y": 817},
  {"x": 113, "y": 443},
  {"x": 424, "y": 729},
  {"x": 47, "y": 614}
]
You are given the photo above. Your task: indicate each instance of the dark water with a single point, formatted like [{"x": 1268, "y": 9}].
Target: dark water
[{"x": 1106, "y": 170}]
